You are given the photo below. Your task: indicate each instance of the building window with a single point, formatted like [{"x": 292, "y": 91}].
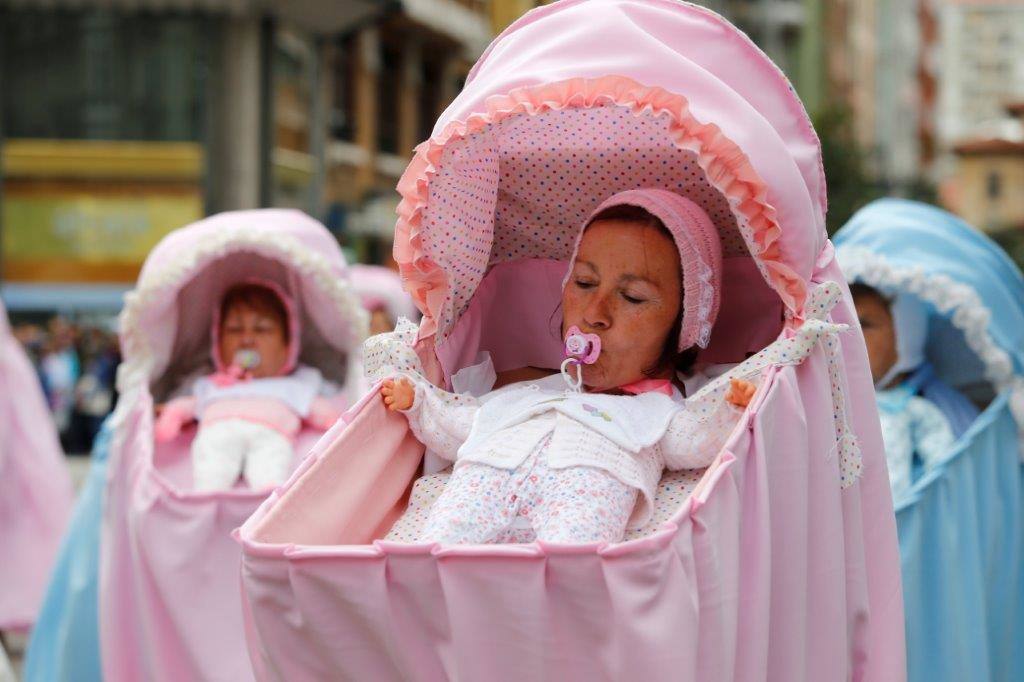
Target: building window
[
  {"x": 994, "y": 185},
  {"x": 431, "y": 88},
  {"x": 343, "y": 109},
  {"x": 292, "y": 66},
  {"x": 389, "y": 86}
]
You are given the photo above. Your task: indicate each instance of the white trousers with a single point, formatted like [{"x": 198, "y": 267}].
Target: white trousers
[{"x": 228, "y": 448}]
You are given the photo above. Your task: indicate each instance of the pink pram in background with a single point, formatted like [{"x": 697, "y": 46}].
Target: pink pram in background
[
  {"x": 380, "y": 288},
  {"x": 781, "y": 564},
  {"x": 169, "y": 599},
  {"x": 35, "y": 488}
]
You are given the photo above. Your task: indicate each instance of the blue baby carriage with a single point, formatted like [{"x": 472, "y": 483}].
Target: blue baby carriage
[{"x": 961, "y": 523}]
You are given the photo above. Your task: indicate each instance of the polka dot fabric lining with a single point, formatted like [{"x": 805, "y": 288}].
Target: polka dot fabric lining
[
  {"x": 673, "y": 491},
  {"x": 539, "y": 177},
  {"x": 556, "y": 169}
]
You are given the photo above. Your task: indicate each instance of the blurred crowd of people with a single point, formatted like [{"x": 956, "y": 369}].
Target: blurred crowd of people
[{"x": 77, "y": 365}]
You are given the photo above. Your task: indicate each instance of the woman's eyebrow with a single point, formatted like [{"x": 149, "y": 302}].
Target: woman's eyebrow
[
  {"x": 588, "y": 264},
  {"x": 638, "y": 278}
]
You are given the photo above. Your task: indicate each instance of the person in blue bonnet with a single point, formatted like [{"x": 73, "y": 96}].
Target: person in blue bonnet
[{"x": 913, "y": 427}]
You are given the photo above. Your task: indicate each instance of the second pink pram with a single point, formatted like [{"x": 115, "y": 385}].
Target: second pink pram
[{"x": 169, "y": 600}]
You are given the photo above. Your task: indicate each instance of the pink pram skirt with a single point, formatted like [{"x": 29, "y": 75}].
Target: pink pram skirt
[{"x": 765, "y": 573}]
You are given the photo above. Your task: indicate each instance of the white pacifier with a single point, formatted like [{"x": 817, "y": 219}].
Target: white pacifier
[{"x": 247, "y": 359}]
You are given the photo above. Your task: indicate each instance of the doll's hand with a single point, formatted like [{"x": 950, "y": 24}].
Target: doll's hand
[
  {"x": 398, "y": 395},
  {"x": 172, "y": 418},
  {"x": 740, "y": 392}
]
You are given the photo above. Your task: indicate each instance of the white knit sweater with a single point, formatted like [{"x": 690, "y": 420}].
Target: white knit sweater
[{"x": 631, "y": 437}]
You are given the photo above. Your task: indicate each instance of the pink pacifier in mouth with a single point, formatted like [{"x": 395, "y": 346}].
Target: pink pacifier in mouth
[{"x": 580, "y": 349}]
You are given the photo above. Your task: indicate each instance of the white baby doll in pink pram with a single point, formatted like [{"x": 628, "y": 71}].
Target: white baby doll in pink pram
[
  {"x": 251, "y": 409},
  {"x": 640, "y": 297}
]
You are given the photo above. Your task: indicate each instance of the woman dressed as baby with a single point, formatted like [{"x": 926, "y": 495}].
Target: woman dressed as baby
[
  {"x": 251, "y": 409},
  {"x": 579, "y": 455}
]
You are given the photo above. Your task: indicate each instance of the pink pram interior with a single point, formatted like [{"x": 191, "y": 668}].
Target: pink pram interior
[
  {"x": 190, "y": 354},
  {"x": 506, "y": 319}
]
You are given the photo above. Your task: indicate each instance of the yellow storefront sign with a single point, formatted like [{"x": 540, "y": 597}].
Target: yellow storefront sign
[
  {"x": 65, "y": 223},
  {"x": 82, "y": 237}
]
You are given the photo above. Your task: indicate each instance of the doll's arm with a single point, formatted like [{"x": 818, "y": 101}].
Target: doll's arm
[
  {"x": 439, "y": 419},
  {"x": 173, "y": 417},
  {"x": 324, "y": 412},
  {"x": 697, "y": 433}
]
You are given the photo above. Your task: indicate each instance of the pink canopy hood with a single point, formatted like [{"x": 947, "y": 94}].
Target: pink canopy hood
[
  {"x": 782, "y": 564},
  {"x": 169, "y": 599}
]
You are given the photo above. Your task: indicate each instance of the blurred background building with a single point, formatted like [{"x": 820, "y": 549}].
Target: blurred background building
[{"x": 123, "y": 119}]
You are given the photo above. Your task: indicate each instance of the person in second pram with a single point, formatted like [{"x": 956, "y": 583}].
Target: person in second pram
[
  {"x": 640, "y": 297},
  {"x": 895, "y": 333},
  {"x": 251, "y": 409}
]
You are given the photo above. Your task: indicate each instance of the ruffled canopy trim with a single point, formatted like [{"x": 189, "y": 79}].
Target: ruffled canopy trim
[
  {"x": 157, "y": 289},
  {"x": 725, "y": 166},
  {"x": 955, "y": 300}
]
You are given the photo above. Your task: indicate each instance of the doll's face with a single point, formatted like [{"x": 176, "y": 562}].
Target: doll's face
[
  {"x": 879, "y": 333},
  {"x": 246, "y": 327},
  {"x": 626, "y": 287}
]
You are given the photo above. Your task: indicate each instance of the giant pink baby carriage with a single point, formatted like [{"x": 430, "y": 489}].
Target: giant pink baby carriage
[
  {"x": 35, "y": 488},
  {"x": 780, "y": 563},
  {"x": 169, "y": 598}
]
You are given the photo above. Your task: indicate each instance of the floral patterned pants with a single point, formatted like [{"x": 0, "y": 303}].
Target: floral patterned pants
[{"x": 485, "y": 504}]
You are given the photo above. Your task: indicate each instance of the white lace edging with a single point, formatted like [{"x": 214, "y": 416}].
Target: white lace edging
[
  {"x": 392, "y": 352},
  {"x": 138, "y": 351},
  {"x": 953, "y": 299},
  {"x": 957, "y": 301}
]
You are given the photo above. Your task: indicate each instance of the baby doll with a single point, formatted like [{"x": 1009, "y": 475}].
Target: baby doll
[
  {"x": 250, "y": 410},
  {"x": 583, "y": 461},
  {"x": 895, "y": 334}
]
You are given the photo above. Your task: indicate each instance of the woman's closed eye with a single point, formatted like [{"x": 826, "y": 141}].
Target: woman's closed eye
[
  {"x": 636, "y": 293},
  {"x": 584, "y": 283},
  {"x": 633, "y": 298}
]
